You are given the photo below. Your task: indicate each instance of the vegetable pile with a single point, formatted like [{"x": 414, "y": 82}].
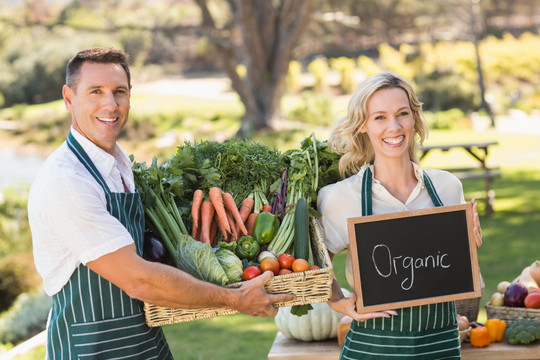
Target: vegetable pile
[{"x": 226, "y": 212}]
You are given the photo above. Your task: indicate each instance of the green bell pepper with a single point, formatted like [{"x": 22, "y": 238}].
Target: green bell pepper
[
  {"x": 247, "y": 247},
  {"x": 265, "y": 227}
]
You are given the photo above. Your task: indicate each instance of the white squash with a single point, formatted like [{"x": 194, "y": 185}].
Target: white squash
[{"x": 320, "y": 323}]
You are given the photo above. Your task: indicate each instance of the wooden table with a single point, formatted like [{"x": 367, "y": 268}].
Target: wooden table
[
  {"x": 288, "y": 349},
  {"x": 479, "y": 151}
]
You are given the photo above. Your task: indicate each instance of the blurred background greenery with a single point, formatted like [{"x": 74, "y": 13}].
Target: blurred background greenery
[{"x": 475, "y": 65}]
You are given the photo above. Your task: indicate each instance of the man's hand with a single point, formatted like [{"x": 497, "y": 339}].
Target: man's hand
[{"x": 255, "y": 301}]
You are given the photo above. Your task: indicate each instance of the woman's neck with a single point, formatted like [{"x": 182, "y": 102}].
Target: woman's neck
[{"x": 397, "y": 177}]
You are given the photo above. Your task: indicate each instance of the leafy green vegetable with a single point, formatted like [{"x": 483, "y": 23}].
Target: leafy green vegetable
[
  {"x": 231, "y": 264},
  {"x": 199, "y": 260},
  {"x": 300, "y": 310},
  {"x": 242, "y": 165},
  {"x": 308, "y": 169},
  {"x": 161, "y": 211}
]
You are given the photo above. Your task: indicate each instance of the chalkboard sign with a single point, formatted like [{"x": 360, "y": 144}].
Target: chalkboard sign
[{"x": 414, "y": 257}]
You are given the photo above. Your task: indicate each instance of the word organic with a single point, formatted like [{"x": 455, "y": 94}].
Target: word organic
[{"x": 386, "y": 264}]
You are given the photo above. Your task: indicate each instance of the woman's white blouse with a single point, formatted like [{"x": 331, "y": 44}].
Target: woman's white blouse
[{"x": 342, "y": 200}]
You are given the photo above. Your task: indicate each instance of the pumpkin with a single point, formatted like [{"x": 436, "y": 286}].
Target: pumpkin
[
  {"x": 535, "y": 272},
  {"x": 320, "y": 323}
]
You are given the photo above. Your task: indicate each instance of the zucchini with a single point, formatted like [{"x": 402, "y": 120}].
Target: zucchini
[{"x": 301, "y": 230}]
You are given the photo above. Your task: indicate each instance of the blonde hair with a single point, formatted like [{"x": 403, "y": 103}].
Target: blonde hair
[{"x": 346, "y": 138}]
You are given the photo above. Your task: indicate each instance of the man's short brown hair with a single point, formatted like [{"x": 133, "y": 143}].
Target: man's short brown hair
[{"x": 95, "y": 55}]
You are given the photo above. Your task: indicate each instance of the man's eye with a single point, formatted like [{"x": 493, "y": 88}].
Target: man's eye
[{"x": 96, "y": 91}]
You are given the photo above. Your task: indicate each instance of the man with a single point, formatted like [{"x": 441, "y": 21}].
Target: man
[{"x": 87, "y": 225}]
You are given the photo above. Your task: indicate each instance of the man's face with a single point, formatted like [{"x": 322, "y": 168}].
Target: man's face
[{"x": 99, "y": 105}]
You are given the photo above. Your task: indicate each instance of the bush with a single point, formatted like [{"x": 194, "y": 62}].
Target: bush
[
  {"x": 15, "y": 236},
  {"x": 444, "y": 119},
  {"x": 315, "y": 109},
  {"x": 319, "y": 69},
  {"x": 26, "y": 318},
  {"x": 17, "y": 275}
]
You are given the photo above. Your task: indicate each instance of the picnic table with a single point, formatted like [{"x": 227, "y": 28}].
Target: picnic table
[
  {"x": 290, "y": 349},
  {"x": 479, "y": 151}
]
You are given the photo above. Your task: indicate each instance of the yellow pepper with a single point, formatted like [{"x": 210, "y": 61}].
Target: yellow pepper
[
  {"x": 479, "y": 336},
  {"x": 496, "y": 329}
]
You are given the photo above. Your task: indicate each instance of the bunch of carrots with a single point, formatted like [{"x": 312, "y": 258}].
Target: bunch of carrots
[{"x": 219, "y": 212}]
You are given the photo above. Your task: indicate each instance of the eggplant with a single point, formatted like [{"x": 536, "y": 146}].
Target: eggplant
[
  {"x": 515, "y": 294},
  {"x": 153, "y": 248}
]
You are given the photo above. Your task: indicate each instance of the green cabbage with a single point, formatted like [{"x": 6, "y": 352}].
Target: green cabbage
[
  {"x": 231, "y": 264},
  {"x": 199, "y": 260}
]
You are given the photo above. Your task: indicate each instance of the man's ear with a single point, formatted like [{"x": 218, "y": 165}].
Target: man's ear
[{"x": 67, "y": 94}]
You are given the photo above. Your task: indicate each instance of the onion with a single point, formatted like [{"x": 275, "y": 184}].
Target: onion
[{"x": 265, "y": 254}]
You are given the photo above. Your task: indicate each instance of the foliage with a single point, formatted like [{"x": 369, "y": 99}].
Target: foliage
[
  {"x": 25, "y": 318},
  {"x": 346, "y": 68},
  {"x": 17, "y": 275},
  {"x": 319, "y": 69},
  {"x": 442, "y": 120},
  {"x": 14, "y": 227},
  {"x": 314, "y": 109}
]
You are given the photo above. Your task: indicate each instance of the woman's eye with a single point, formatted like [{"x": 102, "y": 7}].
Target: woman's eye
[
  {"x": 404, "y": 113},
  {"x": 380, "y": 117}
]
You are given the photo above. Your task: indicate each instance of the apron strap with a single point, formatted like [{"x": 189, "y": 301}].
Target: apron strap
[
  {"x": 83, "y": 157},
  {"x": 367, "y": 203}
]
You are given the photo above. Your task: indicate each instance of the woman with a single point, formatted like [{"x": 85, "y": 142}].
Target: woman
[{"x": 379, "y": 140}]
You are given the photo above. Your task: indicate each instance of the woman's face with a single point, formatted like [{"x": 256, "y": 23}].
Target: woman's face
[{"x": 390, "y": 123}]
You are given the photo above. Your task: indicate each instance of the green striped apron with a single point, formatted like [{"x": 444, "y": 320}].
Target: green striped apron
[
  {"x": 91, "y": 318},
  {"x": 418, "y": 332}
]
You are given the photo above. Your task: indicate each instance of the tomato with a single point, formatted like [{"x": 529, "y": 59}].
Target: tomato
[
  {"x": 314, "y": 267},
  {"x": 300, "y": 265},
  {"x": 532, "y": 301},
  {"x": 284, "y": 271},
  {"x": 251, "y": 272},
  {"x": 285, "y": 261},
  {"x": 269, "y": 264}
]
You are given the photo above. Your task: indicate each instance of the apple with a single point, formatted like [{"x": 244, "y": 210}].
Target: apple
[{"x": 497, "y": 299}]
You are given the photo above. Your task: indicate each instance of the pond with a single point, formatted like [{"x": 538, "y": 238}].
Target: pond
[{"x": 18, "y": 168}]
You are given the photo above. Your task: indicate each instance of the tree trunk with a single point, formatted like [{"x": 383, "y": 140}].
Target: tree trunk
[{"x": 263, "y": 39}]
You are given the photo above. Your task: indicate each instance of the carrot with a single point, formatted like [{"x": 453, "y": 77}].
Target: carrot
[
  {"x": 233, "y": 236},
  {"x": 207, "y": 214},
  {"x": 267, "y": 208},
  {"x": 230, "y": 205},
  {"x": 250, "y": 222},
  {"x": 246, "y": 207},
  {"x": 196, "y": 211},
  {"x": 216, "y": 197}
]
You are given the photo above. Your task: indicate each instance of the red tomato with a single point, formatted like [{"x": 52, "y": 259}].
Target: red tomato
[
  {"x": 251, "y": 272},
  {"x": 532, "y": 301},
  {"x": 285, "y": 261},
  {"x": 314, "y": 267},
  {"x": 284, "y": 271},
  {"x": 271, "y": 264},
  {"x": 300, "y": 265}
]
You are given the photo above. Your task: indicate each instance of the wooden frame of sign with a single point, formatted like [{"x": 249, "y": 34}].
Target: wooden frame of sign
[{"x": 414, "y": 258}]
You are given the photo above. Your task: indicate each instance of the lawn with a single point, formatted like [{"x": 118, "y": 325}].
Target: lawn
[{"x": 510, "y": 243}]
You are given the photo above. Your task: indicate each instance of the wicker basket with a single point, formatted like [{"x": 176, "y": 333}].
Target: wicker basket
[
  {"x": 309, "y": 287},
  {"x": 510, "y": 314},
  {"x": 469, "y": 307}
]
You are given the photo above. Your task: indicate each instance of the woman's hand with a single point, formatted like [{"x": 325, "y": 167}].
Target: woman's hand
[
  {"x": 347, "y": 306},
  {"x": 477, "y": 230}
]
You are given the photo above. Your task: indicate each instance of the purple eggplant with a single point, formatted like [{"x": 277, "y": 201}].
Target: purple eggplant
[{"x": 153, "y": 248}]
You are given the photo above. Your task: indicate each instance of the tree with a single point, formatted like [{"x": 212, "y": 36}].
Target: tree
[{"x": 260, "y": 35}]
